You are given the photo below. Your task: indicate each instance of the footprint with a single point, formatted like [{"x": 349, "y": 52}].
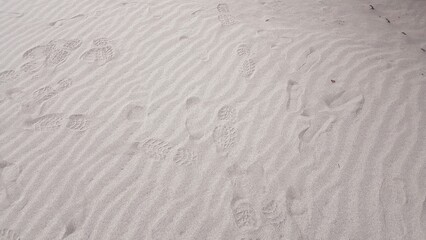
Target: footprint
[
  {"x": 222, "y": 8},
  {"x": 318, "y": 124},
  {"x": 63, "y": 84},
  {"x": 343, "y": 100},
  {"x": 294, "y": 92},
  {"x": 294, "y": 204},
  {"x": 192, "y": 102},
  {"x": 73, "y": 220},
  {"x": 7, "y": 234},
  {"x": 155, "y": 148},
  {"x": 47, "y": 122},
  {"x": 247, "y": 183},
  {"x": 392, "y": 199},
  {"x": 224, "y": 137},
  {"x": 243, "y": 50},
  {"x": 247, "y": 68},
  {"x": 9, "y": 174},
  {"x": 226, "y": 19},
  {"x": 244, "y": 215},
  {"x": 55, "y": 50},
  {"x": 63, "y": 44},
  {"x": 32, "y": 66},
  {"x": 56, "y": 57},
  {"x": 42, "y": 94},
  {"x": 273, "y": 213},
  {"x": 39, "y": 96},
  {"x": 204, "y": 55},
  {"x": 8, "y": 76},
  {"x": 227, "y": 114},
  {"x": 135, "y": 112},
  {"x": 78, "y": 122},
  {"x": 308, "y": 60},
  {"x": 14, "y": 93},
  {"x": 37, "y": 52},
  {"x": 99, "y": 56},
  {"x": 194, "y": 125},
  {"x": 61, "y": 22},
  {"x": 185, "y": 157},
  {"x": 57, "y": 23},
  {"x": 29, "y": 108}
]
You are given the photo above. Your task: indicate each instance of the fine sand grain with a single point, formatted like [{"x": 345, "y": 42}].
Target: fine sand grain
[{"x": 206, "y": 120}]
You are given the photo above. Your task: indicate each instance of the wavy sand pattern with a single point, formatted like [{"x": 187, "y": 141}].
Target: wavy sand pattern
[{"x": 185, "y": 119}]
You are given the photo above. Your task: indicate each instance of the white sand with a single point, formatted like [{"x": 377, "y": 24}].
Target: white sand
[{"x": 202, "y": 120}]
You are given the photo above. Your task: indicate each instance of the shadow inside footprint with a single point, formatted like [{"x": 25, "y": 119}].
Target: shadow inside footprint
[
  {"x": 294, "y": 92},
  {"x": 69, "y": 229},
  {"x": 135, "y": 112}
]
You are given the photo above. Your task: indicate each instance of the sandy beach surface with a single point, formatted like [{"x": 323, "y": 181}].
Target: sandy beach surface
[{"x": 207, "y": 120}]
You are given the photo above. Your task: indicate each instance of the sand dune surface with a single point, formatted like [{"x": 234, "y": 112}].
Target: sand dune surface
[{"x": 202, "y": 120}]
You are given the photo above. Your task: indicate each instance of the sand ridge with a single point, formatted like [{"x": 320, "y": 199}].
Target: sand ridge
[{"x": 258, "y": 119}]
